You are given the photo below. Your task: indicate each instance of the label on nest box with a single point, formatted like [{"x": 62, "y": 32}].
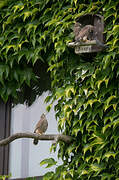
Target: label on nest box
[{"x": 83, "y": 49}]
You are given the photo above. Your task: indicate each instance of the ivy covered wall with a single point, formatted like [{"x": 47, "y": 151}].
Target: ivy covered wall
[{"x": 86, "y": 86}]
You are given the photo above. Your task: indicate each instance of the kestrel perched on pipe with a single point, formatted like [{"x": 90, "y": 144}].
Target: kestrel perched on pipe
[{"x": 41, "y": 127}]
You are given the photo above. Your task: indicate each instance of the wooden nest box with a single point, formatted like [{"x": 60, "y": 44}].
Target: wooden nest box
[{"x": 88, "y": 31}]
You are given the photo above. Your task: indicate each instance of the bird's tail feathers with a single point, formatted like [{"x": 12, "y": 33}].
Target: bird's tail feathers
[{"x": 35, "y": 142}]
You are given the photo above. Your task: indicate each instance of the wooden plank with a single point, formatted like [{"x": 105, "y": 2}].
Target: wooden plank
[
  {"x": 83, "y": 49},
  {"x": 99, "y": 27},
  {"x": 4, "y": 132},
  {"x": 98, "y": 32},
  {"x": 2, "y": 135},
  {"x": 7, "y": 133}
]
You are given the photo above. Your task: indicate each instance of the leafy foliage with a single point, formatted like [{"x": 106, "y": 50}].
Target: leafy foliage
[
  {"x": 5, "y": 176},
  {"x": 50, "y": 162},
  {"x": 86, "y": 86}
]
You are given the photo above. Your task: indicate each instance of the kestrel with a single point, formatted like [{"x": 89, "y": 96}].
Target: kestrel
[
  {"x": 86, "y": 33},
  {"x": 77, "y": 29},
  {"x": 83, "y": 34},
  {"x": 41, "y": 127}
]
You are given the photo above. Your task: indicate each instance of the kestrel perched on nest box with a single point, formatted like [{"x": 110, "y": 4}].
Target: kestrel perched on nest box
[
  {"x": 41, "y": 127},
  {"x": 83, "y": 34}
]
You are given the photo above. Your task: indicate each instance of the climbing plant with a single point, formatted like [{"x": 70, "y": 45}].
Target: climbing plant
[{"x": 86, "y": 86}]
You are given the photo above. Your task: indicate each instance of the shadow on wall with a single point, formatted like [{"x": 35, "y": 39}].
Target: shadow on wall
[{"x": 28, "y": 94}]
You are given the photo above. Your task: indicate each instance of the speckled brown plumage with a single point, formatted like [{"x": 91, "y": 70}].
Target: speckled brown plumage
[
  {"x": 41, "y": 127},
  {"x": 83, "y": 34},
  {"x": 77, "y": 29}
]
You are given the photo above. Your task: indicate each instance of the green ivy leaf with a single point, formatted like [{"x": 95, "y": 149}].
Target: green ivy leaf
[
  {"x": 48, "y": 176},
  {"x": 50, "y": 162}
]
